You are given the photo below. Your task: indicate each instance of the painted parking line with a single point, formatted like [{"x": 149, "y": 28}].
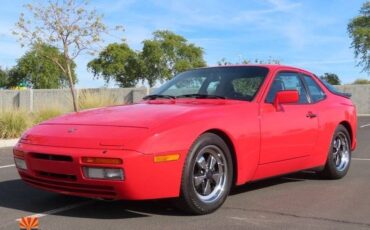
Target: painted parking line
[
  {"x": 59, "y": 210},
  {"x": 361, "y": 159},
  {"x": 7, "y": 166},
  {"x": 363, "y": 126}
]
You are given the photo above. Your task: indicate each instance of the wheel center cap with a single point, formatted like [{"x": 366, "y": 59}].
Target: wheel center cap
[{"x": 209, "y": 175}]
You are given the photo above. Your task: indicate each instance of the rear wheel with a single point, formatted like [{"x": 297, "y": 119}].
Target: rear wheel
[
  {"x": 207, "y": 175},
  {"x": 339, "y": 157}
]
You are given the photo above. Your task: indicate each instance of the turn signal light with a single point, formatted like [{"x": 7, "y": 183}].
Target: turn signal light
[
  {"x": 102, "y": 160},
  {"x": 164, "y": 158}
]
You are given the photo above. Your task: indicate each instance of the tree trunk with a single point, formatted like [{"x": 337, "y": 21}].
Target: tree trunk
[
  {"x": 70, "y": 78},
  {"x": 71, "y": 86}
]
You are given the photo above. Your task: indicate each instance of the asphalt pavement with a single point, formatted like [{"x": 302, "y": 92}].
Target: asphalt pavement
[{"x": 296, "y": 201}]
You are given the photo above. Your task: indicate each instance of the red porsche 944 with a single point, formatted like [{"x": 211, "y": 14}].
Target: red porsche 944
[{"x": 198, "y": 135}]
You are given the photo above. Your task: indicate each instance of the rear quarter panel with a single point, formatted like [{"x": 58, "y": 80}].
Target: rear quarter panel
[{"x": 333, "y": 111}]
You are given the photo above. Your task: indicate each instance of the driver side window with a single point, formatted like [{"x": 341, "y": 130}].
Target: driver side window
[{"x": 287, "y": 81}]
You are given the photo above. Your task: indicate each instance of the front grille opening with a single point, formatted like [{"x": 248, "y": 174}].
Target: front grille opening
[
  {"x": 101, "y": 191},
  {"x": 50, "y": 157},
  {"x": 57, "y": 176}
]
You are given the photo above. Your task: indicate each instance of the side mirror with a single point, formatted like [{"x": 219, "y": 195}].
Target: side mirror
[{"x": 286, "y": 97}]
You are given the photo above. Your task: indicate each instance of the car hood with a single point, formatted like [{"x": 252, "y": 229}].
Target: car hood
[
  {"x": 142, "y": 115},
  {"x": 117, "y": 127}
]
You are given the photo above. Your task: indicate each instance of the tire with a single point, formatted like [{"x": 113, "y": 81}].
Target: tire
[
  {"x": 207, "y": 176},
  {"x": 339, "y": 156}
]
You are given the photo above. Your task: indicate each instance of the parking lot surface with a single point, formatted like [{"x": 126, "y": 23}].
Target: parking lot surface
[{"x": 296, "y": 201}]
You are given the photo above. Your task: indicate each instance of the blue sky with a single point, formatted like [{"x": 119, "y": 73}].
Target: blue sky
[{"x": 311, "y": 34}]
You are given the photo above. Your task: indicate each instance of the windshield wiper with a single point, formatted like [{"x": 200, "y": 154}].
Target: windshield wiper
[
  {"x": 200, "y": 96},
  {"x": 155, "y": 96}
]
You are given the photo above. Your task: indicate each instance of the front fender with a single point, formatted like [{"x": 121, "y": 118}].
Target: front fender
[{"x": 240, "y": 124}]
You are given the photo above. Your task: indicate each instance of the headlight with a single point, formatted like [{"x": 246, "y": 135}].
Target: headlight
[
  {"x": 20, "y": 163},
  {"x": 103, "y": 173}
]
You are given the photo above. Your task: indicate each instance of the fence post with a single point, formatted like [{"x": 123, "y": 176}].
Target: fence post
[{"x": 138, "y": 94}]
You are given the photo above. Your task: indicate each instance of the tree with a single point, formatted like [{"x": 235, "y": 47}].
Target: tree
[
  {"x": 270, "y": 60},
  {"x": 331, "y": 78},
  {"x": 3, "y": 78},
  {"x": 224, "y": 62},
  {"x": 161, "y": 58},
  {"x": 10, "y": 78},
  {"x": 167, "y": 54},
  {"x": 359, "y": 32},
  {"x": 38, "y": 70},
  {"x": 361, "y": 81},
  {"x": 118, "y": 62},
  {"x": 68, "y": 25}
]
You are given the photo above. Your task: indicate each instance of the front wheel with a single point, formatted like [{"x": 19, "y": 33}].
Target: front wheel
[
  {"x": 207, "y": 175},
  {"x": 339, "y": 156}
]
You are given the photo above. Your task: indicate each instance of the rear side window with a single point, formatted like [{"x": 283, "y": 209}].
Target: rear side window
[
  {"x": 316, "y": 93},
  {"x": 332, "y": 89}
]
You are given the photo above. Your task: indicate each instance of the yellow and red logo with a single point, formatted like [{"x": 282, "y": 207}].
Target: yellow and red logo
[{"x": 29, "y": 223}]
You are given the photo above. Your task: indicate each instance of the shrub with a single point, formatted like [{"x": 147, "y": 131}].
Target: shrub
[
  {"x": 89, "y": 100},
  {"x": 14, "y": 123},
  {"x": 361, "y": 81},
  {"x": 46, "y": 114}
]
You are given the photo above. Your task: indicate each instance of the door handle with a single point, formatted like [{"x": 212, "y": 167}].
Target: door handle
[{"x": 311, "y": 115}]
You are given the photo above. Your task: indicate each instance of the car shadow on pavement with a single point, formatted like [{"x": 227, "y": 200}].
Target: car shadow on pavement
[
  {"x": 16, "y": 195},
  {"x": 289, "y": 178}
]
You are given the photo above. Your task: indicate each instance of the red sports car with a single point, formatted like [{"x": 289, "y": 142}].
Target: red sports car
[{"x": 198, "y": 135}]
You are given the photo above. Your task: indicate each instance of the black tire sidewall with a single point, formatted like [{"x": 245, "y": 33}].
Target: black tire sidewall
[
  {"x": 188, "y": 194},
  {"x": 330, "y": 170}
]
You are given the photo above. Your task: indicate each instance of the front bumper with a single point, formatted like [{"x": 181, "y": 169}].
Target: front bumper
[{"x": 60, "y": 170}]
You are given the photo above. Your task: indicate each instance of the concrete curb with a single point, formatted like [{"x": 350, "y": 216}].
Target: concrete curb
[{"x": 8, "y": 142}]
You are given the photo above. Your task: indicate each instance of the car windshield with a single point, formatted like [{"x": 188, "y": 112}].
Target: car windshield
[{"x": 236, "y": 82}]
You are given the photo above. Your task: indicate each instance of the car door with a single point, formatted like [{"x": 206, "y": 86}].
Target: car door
[{"x": 289, "y": 132}]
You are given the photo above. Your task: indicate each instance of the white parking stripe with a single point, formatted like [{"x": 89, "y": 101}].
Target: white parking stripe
[
  {"x": 7, "y": 166},
  {"x": 58, "y": 210},
  {"x": 361, "y": 159},
  {"x": 363, "y": 126}
]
